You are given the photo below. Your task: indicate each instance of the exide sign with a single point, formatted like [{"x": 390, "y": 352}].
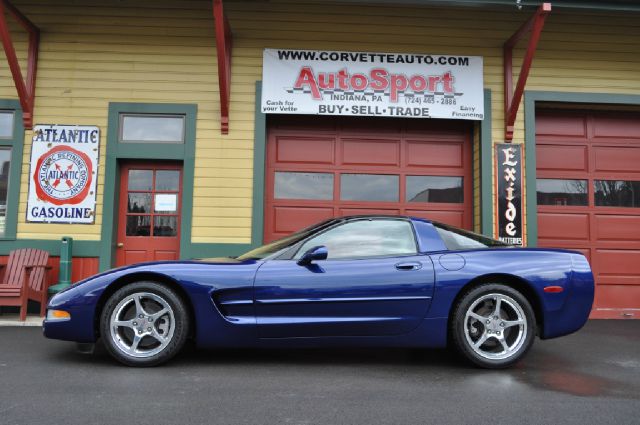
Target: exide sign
[
  {"x": 509, "y": 193},
  {"x": 372, "y": 84}
]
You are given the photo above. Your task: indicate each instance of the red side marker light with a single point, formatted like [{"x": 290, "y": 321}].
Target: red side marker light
[{"x": 553, "y": 289}]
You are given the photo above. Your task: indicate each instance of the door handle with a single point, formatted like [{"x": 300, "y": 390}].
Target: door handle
[
  {"x": 408, "y": 266},
  {"x": 119, "y": 245}
]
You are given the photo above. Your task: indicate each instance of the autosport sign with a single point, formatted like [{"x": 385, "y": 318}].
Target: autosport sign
[
  {"x": 372, "y": 84},
  {"x": 62, "y": 184}
]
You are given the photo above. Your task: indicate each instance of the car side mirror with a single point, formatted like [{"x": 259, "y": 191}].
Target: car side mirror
[{"x": 314, "y": 254}]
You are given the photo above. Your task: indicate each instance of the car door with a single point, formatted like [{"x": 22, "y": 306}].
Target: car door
[{"x": 373, "y": 282}]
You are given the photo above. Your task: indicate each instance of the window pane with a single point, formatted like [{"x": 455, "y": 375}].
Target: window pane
[
  {"x": 617, "y": 193},
  {"x": 365, "y": 238},
  {"x": 152, "y": 128},
  {"x": 6, "y": 124},
  {"x": 318, "y": 186},
  {"x": 562, "y": 192},
  {"x": 434, "y": 189},
  {"x": 167, "y": 180},
  {"x": 5, "y": 162},
  {"x": 138, "y": 225},
  {"x": 369, "y": 187},
  {"x": 165, "y": 226},
  {"x": 139, "y": 203},
  {"x": 140, "y": 180}
]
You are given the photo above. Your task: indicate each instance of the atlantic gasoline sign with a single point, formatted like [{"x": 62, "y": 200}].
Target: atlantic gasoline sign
[
  {"x": 62, "y": 184},
  {"x": 372, "y": 84}
]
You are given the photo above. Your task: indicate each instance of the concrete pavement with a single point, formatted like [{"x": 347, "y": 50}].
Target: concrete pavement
[{"x": 591, "y": 377}]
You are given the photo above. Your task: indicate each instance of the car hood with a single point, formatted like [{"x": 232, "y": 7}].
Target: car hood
[{"x": 165, "y": 268}]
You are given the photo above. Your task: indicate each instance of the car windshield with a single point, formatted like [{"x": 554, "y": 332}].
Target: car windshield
[{"x": 276, "y": 246}]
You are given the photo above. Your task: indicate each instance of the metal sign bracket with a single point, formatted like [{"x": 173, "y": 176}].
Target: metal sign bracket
[
  {"x": 512, "y": 99},
  {"x": 26, "y": 90},
  {"x": 224, "y": 42}
]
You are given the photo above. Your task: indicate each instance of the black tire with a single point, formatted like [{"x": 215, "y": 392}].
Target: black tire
[
  {"x": 148, "y": 335},
  {"x": 487, "y": 339}
]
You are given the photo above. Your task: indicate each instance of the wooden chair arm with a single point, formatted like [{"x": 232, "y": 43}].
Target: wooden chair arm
[
  {"x": 36, "y": 266},
  {"x": 27, "y": 269}
]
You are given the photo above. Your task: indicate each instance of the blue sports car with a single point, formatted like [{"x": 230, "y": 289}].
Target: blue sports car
[{"x": 367, "y": 281}]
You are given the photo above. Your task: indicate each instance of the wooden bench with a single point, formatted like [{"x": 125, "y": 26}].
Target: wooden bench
[{"x": 24, "y": 278}]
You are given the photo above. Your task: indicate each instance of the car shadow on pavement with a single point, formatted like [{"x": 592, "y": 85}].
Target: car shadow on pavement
[
  {"x": 192, "y": 356},
  {"x": 322, "y": 356}
]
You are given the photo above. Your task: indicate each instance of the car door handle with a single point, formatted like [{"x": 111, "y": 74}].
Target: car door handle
[{"x": 408, "y": 266}]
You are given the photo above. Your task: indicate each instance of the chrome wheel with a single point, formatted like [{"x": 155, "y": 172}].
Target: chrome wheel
[
  {"x": 495, "y": 326},
  {"x": 142, "y": 325}
]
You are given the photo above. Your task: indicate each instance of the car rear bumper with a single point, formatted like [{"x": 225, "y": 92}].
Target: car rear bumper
[{"x": 577, "y": 305}]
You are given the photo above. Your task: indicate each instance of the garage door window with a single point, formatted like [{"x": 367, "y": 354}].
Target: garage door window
[
  {"x": 369, "y": 187},
  {"x": 361, "y": 239},
  {"x": 313, "y": 186},
  {"x": 434, "y": 189},
  {"x": 562, "y": 192},
  {"x": 617, "y": 193}
]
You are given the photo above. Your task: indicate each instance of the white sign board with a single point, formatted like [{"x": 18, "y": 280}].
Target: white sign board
[
  {"x": 166, "y": 202},
  {"x": 64, "y": 170},
  {"x": 372, "y": 84}
]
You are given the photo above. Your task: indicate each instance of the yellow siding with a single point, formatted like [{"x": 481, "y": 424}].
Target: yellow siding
[
  {"x": 476, "y": 180},
  {"x": 96, "y": 52}
]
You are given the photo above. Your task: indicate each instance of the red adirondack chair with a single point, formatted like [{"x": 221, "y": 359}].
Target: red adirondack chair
[{"x": 25, "y": 278}]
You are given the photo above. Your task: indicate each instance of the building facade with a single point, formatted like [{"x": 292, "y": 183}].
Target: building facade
[{"x": 176, "y": 153}]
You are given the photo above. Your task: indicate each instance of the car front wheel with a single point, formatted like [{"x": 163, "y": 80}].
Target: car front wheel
[
  {"x": 493, "y": 326},
  {"x": 144, "y": 324}
]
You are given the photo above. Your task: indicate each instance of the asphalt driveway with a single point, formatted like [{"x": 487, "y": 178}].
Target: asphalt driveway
[{"x": 591, "y": 377}]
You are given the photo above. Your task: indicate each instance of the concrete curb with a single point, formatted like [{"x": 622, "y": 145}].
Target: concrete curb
[{"x": 14, "y": 320}]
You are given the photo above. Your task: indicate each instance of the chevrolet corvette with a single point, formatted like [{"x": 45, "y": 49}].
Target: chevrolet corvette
[{"x": 366, "y": 281}]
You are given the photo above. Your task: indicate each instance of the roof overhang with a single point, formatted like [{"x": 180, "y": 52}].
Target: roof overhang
[{"x": 614, "y": 5}]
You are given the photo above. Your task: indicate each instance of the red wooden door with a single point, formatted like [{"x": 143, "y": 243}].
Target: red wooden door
[
  {"x": 149, "y": 212},
  {"x": 588, "y": 190},
  {"x": 323, "y": 167}
]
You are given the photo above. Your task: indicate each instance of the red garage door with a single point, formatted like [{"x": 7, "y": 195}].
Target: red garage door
[
  {"x": 589, "y": 199},
  {"x": 323, "y": 167}
]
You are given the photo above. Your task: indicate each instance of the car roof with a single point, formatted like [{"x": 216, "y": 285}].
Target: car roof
[{"x": 371, "y": 216}]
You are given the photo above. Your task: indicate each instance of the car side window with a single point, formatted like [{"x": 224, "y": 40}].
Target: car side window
[
  {"x": 365, "y": 238},
  {"x": 458, "y": 239}
]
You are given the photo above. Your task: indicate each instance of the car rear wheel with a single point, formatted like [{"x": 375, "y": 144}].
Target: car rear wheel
[
  {"x": 144, "y": 324},
  {"x": 493, "y": 326}
]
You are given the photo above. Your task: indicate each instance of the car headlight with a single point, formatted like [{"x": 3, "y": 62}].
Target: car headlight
[{"x": 58, "y": 315}]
